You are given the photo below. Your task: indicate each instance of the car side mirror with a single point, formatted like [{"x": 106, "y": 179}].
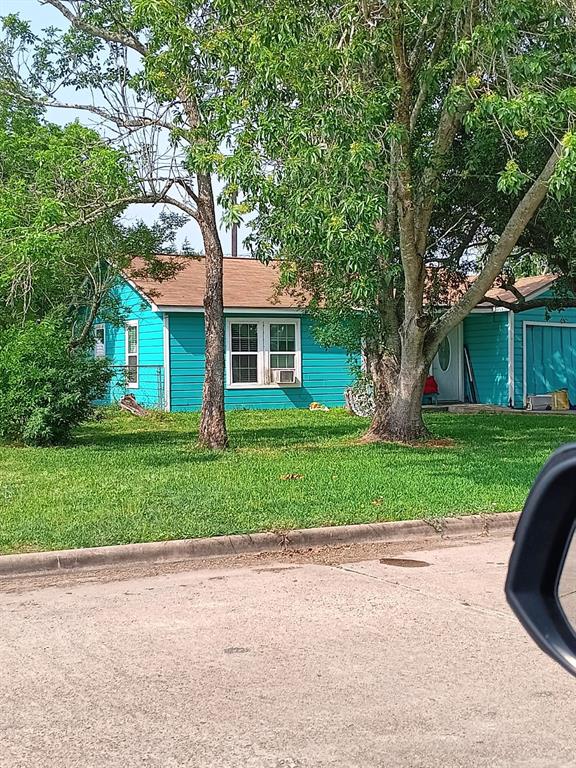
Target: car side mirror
[{"x": 541, "y": 581}]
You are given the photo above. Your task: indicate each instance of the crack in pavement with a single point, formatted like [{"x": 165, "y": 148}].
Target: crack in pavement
[{"x": 449, "y": 600}]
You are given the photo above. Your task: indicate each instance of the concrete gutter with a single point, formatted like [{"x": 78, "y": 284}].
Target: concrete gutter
[{"x": 255, "y": 543}]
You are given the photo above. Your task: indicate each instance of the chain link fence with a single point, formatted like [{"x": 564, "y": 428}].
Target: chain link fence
[{"x": 145, "y": 382}]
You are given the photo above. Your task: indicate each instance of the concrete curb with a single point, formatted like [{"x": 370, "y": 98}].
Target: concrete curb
[{"x": 228, "y": 546}]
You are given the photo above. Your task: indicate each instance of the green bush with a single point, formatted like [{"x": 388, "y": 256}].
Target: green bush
[{"x": 46, "y": 389}]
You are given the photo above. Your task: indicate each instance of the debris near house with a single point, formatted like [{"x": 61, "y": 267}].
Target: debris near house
[
  {"x": 360, "y": 400},
  {"x": 556, "y": 400},
  {"x": 560, "y": 400},
  {"x": 431, "y": 390},
  {"x": 128, "y": 403},
  {"x": 318, "y": 407},
  {"x": 471, "y": 409}
]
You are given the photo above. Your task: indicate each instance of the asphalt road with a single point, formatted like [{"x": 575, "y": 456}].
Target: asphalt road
[{"x": 281, "y": 665}]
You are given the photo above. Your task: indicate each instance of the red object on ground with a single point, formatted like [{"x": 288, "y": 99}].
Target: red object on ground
[{"x": 431, "y": 387}]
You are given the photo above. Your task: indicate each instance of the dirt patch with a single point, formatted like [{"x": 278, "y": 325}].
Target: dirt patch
[
  {"x": 403, "y": 562},
  {"x": 440, "y": 442},
  {"x": 329, "y": 556},
  {"x": 430, "y": 442}
]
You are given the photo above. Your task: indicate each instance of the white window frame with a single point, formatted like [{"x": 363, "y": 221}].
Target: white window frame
[
  {"x": 263, "y": 353},
  {"x": 133, "y": 324},
  {"x": 100, "y": 327}
]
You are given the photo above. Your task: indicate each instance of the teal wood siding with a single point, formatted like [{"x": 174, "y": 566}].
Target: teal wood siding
[
  {"x": 325, "y": 371},
  {"x": 554, "y": 345},
  {"x": 550, "y": 359},
  {"x": 150, "y": 390},
  {"x": 187, "y": 348},
  {"x": 486, "y": 336}
]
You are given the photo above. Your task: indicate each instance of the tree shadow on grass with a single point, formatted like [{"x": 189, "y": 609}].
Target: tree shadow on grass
[
  {"x": 497, "y": 430},
  {"x": 240, "y": 437},
  {"x": 280, "y": 437},
  {"x": 106, "y": 440},
  {"x": 471, "y": 433},
  {"x": 180, "y": 458}
]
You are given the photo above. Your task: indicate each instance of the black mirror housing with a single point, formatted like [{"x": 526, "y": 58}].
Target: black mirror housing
[{"x": 541, "y": 541}]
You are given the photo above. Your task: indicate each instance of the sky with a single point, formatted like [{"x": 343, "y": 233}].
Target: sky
[{"x": 42, "y": 16}]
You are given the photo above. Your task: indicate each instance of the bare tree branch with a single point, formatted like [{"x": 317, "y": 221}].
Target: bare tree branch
[
  {"x": 129, "y": 39},
  {"x": 416, "y": 60},
  {"x": 115, "y": 118},
  {"x": 449, "y": 123},
  {"x": 508, "y": 286},
  {"x": 401, "y": 171},
  {"x": 187, "y": 187},
  {"x": 95, "y": 305},
  {"x": 525, "y": 305},
  {"x": 159, "y": 197}
]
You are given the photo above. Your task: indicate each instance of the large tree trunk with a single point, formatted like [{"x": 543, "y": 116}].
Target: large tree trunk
[
  {"x": 399, "y": 417},
  {"x": 213, "y": 420},
  {"x": 398, "y": 394}
]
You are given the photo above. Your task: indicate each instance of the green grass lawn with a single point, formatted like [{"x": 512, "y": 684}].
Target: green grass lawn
[{"x": 126, "y": 479}]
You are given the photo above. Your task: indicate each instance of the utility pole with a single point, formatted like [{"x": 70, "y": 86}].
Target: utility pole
[{"x": 234, "y": 236}]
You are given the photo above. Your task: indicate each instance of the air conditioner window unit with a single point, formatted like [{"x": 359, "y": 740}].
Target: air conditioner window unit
[{"x": 283, "y": 375}]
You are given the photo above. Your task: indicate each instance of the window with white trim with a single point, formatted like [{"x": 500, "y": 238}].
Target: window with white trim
[
  {"x": 264, "y": 353},
  {"x": 99, "y": 340},
  {"x": 132, "y": 344}
]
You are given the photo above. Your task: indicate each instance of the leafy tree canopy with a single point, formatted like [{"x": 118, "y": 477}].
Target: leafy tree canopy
[
  {"x": 61, "y": 244},
  {"x": 146, "y": 69},
  {"x": 389, "y": 149},
  {"x": 321, "y": 100}
]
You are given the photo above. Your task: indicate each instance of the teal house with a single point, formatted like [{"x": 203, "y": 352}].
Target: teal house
[
  {"x": 272, "y": 357},
  {"x": 274, "y": 361},
  {"x": 511, "y": 355}
]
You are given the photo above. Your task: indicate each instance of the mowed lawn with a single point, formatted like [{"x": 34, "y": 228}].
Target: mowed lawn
[{"x": 126, "y": 479}]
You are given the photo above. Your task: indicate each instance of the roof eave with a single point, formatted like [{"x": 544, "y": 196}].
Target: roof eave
[{"x": 252, "y": 310}]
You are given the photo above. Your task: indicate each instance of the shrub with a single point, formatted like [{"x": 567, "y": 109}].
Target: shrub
[{"x": 46, "y": 389}]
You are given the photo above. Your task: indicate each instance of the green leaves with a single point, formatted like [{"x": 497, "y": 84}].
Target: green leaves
[
  {"x": 512, "y": 179},
  {"x": 45, "y": 388},
  {"x": 322, "y": 129},
  {"x": 328, "y": 121},
  {"x": 59, "y": 239},
  {"x": 563, "y": 181},
  {"x": 17, "y": 27}
]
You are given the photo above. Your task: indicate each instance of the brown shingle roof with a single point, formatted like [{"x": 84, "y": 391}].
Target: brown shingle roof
[
  {"x": 248, "y": 283},
  {"x": 526, "y": 285}
]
